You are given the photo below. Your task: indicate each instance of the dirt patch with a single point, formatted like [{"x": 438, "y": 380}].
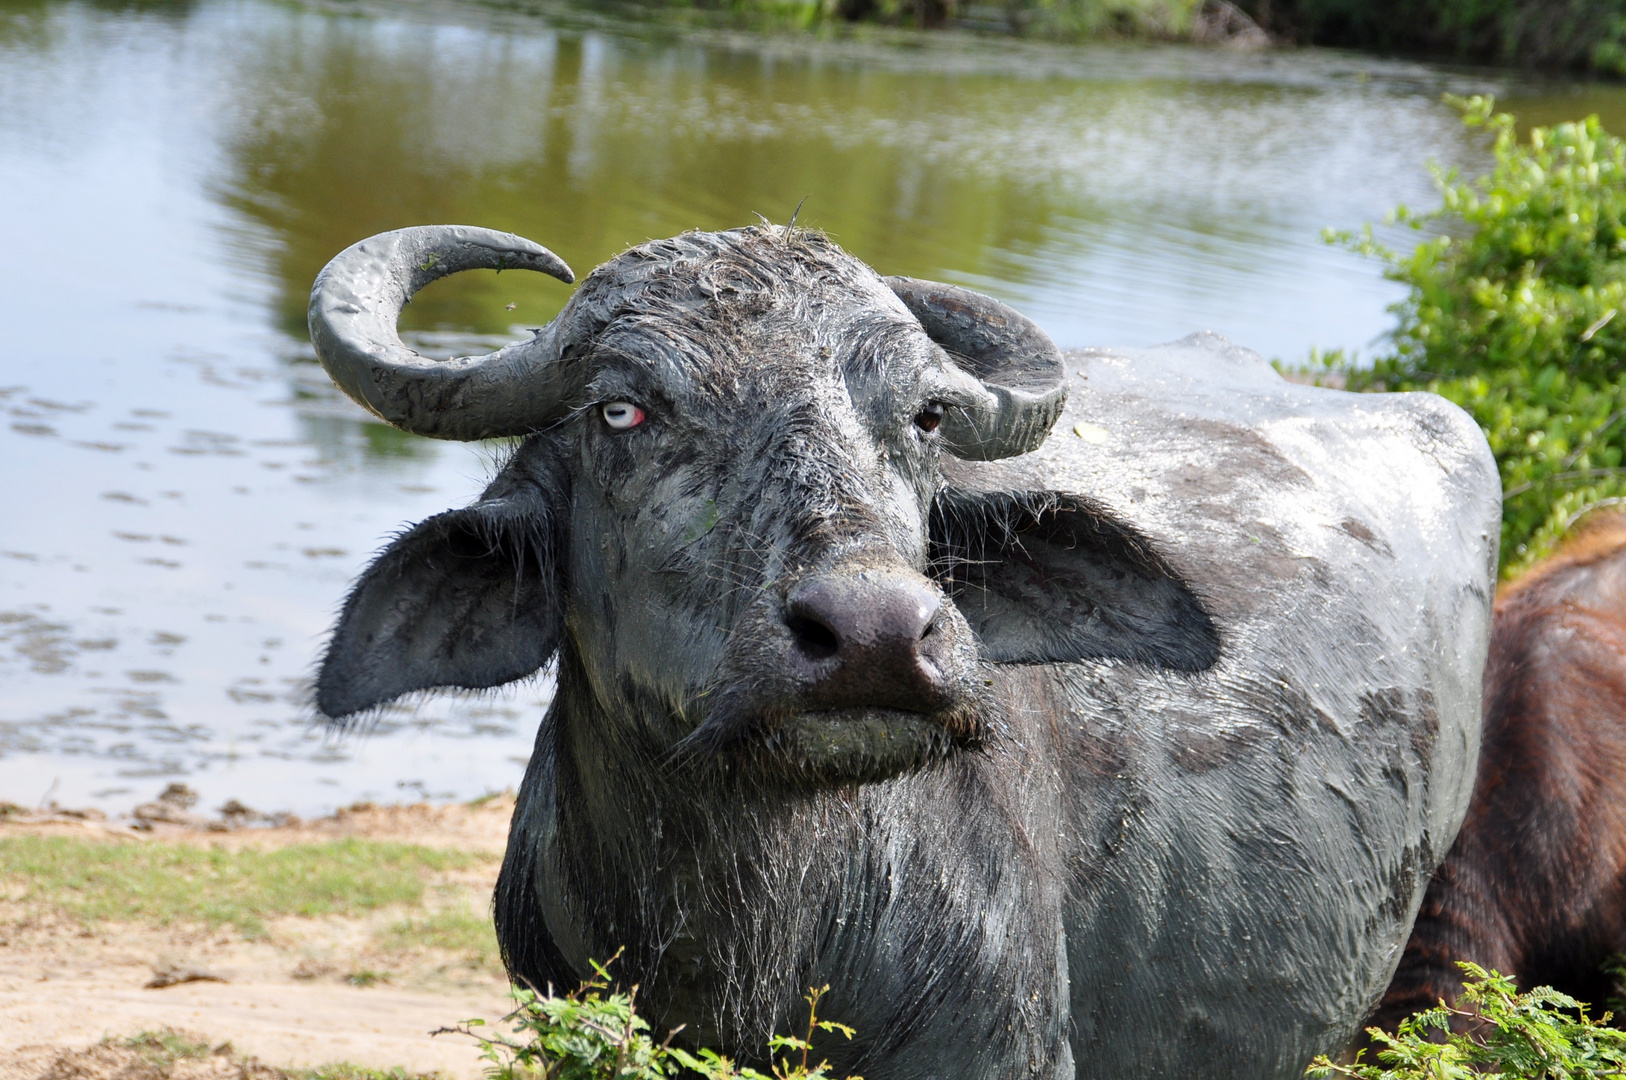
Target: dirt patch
[
  {"x": 172, "y": 1055},
  {"x": 147, "y": 1057},
  {"x": 303, "y": 991}
]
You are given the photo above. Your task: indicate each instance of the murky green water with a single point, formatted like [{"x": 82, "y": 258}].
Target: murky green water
[{"x": 184, "y": 498}]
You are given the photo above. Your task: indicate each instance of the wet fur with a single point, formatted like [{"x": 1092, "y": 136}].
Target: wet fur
[{"x": 918, "y": 899}]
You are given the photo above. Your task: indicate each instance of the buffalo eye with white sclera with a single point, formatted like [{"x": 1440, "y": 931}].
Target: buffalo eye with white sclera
[
  {"x": 622, "y": 415},
  {"x": 929, "y": 417}
]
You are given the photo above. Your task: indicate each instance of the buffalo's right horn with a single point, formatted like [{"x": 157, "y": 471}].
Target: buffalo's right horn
[
  {"x": 1016, "y": 362},
  {"x": 354, "y": 306}
]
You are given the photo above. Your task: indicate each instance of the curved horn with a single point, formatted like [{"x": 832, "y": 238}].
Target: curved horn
[
  {"x": 354, "y": 306},
  {"x": 1016, "y": 361}
]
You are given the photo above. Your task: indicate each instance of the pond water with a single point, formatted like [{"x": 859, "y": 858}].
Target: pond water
[{"x": 184, "y": 498}]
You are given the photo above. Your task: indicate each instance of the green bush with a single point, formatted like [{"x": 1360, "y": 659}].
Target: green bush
[
  {"x": 1586, "y": 35},
  {"x": 1542, "y": 1035},
  {"x": 1064, "y": 19},
  {"x": 1579, "y": 34},
  {"x": 593, "y": 1034},
  {"x": 1071, "y": 19},
  {"x": 1512, "y": 313}
]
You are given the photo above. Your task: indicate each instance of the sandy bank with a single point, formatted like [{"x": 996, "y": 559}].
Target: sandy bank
[{"x": 305, "y": 992}]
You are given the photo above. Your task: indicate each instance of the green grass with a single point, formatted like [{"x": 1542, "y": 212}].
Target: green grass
[
  {"x": 461, "y": 932},
  {"x": 92, "y": 881},
  {"x": 161, "y": 1050},
  {"x": 367, "y": 977},
  {"x": 346, "y": 1071}
]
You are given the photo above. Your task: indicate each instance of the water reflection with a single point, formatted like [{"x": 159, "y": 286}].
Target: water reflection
[
  {"x": 1128, "y": 209},
  {"x": 187, "y": 495}
]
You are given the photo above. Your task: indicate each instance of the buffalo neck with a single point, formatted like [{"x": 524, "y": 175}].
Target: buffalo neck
[{"x": 732, "y": 894}]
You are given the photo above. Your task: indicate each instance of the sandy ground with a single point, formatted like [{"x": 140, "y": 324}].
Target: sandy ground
[{"x": 286, "y": 999}]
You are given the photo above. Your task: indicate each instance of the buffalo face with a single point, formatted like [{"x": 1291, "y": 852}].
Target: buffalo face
[
  {"x": 729, "y": 515},
  {"x": 751, "y": 479}
]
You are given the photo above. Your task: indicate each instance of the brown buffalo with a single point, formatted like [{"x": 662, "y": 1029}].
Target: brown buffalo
[{"x": 1535, "y": 885}]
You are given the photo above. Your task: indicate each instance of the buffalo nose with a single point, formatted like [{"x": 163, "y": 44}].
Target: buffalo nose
[{"x": 867, "y": 638}]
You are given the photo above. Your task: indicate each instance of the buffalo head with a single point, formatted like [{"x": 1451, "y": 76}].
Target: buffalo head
[{"x": 729, "y": 511}]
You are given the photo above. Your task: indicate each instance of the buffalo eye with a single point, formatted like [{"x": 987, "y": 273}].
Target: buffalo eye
[
  {"x": 929, "y": 417},
  {"x": 621, "y": 415}
]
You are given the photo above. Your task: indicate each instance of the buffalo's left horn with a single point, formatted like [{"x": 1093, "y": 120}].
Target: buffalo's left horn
[
  {"x": 1016, "y": 362},
  {"x": 358, "y": 297}
]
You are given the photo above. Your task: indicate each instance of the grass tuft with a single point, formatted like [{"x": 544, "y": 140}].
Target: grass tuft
[
  {"x": 95, "y": 881},
  {"x": 344, "y": 1070},
  {"x": 367, "y": 977},
  {"x": 469, "y": 935},
  {"x": 161, "y": 1049},
  {"x": 158, "y": 1053}
]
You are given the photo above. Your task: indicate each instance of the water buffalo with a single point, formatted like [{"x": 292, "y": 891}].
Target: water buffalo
[
  {"x": 1535, "y": 885},
  {"x": 1117, "y": 747}
]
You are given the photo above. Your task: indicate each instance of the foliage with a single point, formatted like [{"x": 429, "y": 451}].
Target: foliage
[
  {"x": 92, "y": 880},
  {"x": 594, "y": 1033},
  {"x": 1097, "y": 18},
  {"x": 1512, "y": 314},
  {"x": 713, "y": 1066},
  {"x": 1588, "y": 35},
  {"x": 1067, "y": 19},
  {"x": 1580, "y": 34},
  {"x": 1542, "y": 1035}
]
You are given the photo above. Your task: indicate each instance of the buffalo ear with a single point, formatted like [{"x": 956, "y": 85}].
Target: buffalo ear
[
  {"x": 465, "y": 599},
  {"x": 1045, "y": 577}
]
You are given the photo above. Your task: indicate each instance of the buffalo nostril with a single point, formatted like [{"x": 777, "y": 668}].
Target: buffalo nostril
[
  {"x": 869, "y": 639},
  {"x": 815, "y": 639}
]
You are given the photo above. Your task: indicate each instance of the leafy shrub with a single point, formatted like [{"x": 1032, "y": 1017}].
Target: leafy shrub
[
  {"x": 1581, "y": 34},
  {"x": 1587, "y": 35},
  {"x": 1070, "y": 19},
  {"x": 713, "y": 1066},
  {"x": 1542, "y": 1035},
  {"x": 1066, "y": 19},
  {"x": 592, "y": 1034},
  {"x": 1513, "y": 313}
]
